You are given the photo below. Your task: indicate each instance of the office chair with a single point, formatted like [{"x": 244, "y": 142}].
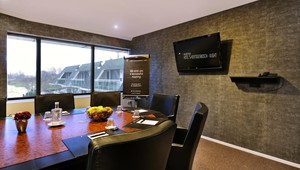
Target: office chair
[
  {"x": 111, "y": 99},
  {"x": 166, "y": 104},
  {"x": 147, "y": 149},
  {"x": 2, "y": 107},
  {"x": 45, "y": 102},
  {"x": 185, "y": 141}
]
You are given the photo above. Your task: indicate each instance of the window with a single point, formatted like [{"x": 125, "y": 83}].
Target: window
[
  {"x": 21, "y": 66},
  {"x": 65, "y": 67},
  {"x": 45, "y": 66},
  {"x": 109, "y": 66}
]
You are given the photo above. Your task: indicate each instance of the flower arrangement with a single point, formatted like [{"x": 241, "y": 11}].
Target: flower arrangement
[
  {"x": 21, "y": 120},
  {"x": 99, "y": 113},
  {"x": 22, "y": 115}
]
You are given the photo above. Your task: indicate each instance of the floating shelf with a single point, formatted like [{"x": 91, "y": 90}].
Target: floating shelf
[
  {"x": 260, "y": 83},
  {"x": 256, "y": 80}
]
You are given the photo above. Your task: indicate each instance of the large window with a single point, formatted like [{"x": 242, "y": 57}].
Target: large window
[
  {"x": 45, "y": 66},
  {"x": 65, "y": 67},
  {"x": 21, "y": 66}
]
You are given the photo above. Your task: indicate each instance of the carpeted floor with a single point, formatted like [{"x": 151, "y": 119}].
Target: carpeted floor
[{"x": 214, "y": 156}]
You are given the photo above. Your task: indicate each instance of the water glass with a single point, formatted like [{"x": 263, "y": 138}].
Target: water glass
[
  {"x": 119, "y": 109},
  {"x": 110, "y": 123},
  {"x": 136, "y": 114},
  {"x": 47, "y": 115}
]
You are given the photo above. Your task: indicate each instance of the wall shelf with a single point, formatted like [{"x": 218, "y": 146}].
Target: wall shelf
[
  {"x": 256, "y": 80},
  {"x": 260, "y": 83}
]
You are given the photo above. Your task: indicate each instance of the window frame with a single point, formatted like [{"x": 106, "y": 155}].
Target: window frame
[{"x": 38, "y": 59}]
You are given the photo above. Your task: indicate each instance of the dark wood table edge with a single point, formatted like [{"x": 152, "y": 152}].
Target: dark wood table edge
[{"x": 44, "y": 162}]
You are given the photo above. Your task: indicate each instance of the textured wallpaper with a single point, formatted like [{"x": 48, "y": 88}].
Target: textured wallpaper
[{"x": 261, "y": 36}]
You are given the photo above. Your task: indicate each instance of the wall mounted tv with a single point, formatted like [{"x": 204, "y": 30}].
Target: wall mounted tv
[{"x": 199, "y": 53}]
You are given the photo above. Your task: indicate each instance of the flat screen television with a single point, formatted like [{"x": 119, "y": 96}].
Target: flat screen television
[{"x": 199, "y": 53}]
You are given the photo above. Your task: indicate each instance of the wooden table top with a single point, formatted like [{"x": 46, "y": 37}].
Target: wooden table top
[{"x": 41, "y": 140}]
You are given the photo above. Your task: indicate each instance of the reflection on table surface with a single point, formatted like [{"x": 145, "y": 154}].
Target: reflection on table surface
[{"x": 41, "y": 140}]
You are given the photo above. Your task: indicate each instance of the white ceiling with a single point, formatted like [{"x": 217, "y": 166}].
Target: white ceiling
[{"x": 133, "y": 17}]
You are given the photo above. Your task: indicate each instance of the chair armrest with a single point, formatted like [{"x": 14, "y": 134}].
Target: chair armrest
[{"x": 180, "y": 135}]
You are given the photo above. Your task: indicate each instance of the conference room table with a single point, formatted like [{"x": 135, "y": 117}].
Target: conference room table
[{"x": 42, "y": 145}]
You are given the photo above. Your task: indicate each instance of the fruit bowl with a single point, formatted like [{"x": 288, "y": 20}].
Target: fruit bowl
[{"x": 99, "y": 113}]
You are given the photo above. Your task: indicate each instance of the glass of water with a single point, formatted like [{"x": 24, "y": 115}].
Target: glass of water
[
  {"x": 136, "y": 114},
  {"x": 119, "y": 109}
]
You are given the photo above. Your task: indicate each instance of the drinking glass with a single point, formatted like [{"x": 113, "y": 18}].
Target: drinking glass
[
  {"x": 119, "y": 109},
  {"x": 86, "y": 117},
  {"x": 110, "y": 123},
  {"x": 136, "y": 114},
  {"x": 47, "y": 115}
]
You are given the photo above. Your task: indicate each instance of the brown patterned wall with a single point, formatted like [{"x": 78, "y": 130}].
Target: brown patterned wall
[
  {"x": 265, "y": 36},
  {"x": 12, "y": 24}
]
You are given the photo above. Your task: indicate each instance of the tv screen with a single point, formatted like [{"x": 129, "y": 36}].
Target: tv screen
[{"x": 199, "y": 53}]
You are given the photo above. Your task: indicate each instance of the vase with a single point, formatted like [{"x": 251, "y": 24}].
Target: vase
[{"x": 21, "y": 125}]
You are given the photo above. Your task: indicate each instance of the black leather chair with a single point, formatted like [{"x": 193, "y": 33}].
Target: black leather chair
[
  {"x": 143, "y": 150},
  {"x": 2, "y": 107},
  {"x": 166, "y": 104},
  {"x": 185, "y": 141},
  {"x": 46, "y": 102},
  {"x": 111, "y": 99}
]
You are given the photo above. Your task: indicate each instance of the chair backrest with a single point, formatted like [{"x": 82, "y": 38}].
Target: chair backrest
[
  {"x": 46, "y": 102},
  {"x": 147, "y": 149},
  {"x": 166, "y": 104},
  {"x": 111, "y": 99},
  {"x": 196, "y": 128},
  {"x": 182, "y": 157},
  {"x": 2, "y": 107}
]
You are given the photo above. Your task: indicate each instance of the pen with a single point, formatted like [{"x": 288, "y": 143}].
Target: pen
[
  {"x": 96, "y": 134},
  {"x": 99, "y": 136},
  {"x": 140, "y": 121}
]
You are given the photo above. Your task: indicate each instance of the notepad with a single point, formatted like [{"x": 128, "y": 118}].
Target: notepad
[
  {"x": 147, "y": 122},
  {"x": 142, "y": 110}
]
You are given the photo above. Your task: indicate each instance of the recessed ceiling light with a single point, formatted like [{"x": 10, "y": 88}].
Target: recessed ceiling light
[{"x": 116, "y": 26}]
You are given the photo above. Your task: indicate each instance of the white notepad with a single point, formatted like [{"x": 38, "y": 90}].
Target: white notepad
[{"x": 148, "y": 122}]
